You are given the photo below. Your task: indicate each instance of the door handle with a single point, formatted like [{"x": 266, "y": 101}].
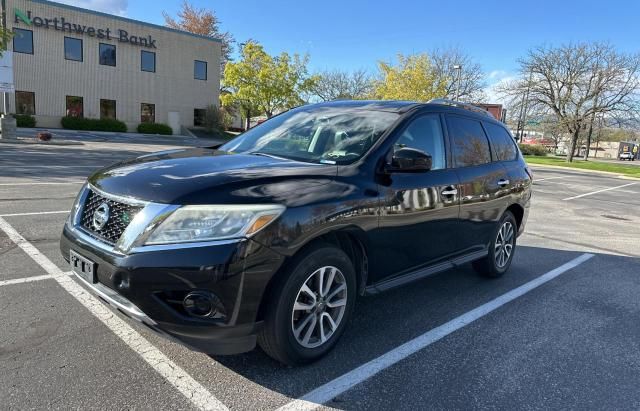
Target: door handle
[
  {"x": 449, "y": 191},
  {"x": 502, "y": 182}
]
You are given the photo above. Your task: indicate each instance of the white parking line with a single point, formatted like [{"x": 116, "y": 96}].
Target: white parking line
[
  {"x": 35, "y": 213},
  {"x": 53, "y": 183},
  {"x": 598, "y": 191},
  {"x": 171, "y": 372},
  {"x": 548, "y": 178},
  {"x": 330, "y": 390},
  {"x": 29, "y": 279}
]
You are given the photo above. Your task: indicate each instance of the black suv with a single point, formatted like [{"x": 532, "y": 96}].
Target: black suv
[{"x": 271, "y": 237}]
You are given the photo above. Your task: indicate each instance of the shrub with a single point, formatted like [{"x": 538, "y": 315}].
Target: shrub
[
  {"x": 154, "y": 128},
  {"x": 25, "y": 120},
  {"x": 216, "y": 119},
  {"x": 92, "y": 124},
  {"x": 533, "y": 150}
]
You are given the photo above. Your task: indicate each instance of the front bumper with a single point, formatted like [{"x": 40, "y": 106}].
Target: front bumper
[{"x": 147, "y": 287}]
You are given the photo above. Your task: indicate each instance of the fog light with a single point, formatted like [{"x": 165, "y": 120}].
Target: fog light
[{"x": 203, "y": 304}]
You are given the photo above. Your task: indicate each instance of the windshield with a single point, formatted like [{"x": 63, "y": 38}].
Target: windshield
[{"x": 329, "y": 135}]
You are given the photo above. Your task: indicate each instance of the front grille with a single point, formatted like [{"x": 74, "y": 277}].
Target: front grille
[{"x": 120, "y": 215}]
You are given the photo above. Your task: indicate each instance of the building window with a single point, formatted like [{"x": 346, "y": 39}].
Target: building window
[
  {"x": 148, "y": 61},
  {"x": 72, "y": 49},
  {"x": 200, "y": 70},
  {"x": 147, "y": 113},
  {"x": 75, "y": 106},
  {"x": 23, "y": 41},
  {"x": 198, "y": 116},
  {"x": 107, "y": 54},
  {"x": 107, "y": 109},
  {"x": 25, "y": 102}
]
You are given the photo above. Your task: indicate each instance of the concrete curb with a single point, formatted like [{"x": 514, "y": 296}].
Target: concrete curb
[
  {"x": 63, "y": 131},
  {"x": 34, "y": 141},
  {"x": 580, "y": 170}
]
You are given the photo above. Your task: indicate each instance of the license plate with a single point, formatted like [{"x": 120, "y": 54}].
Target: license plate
[{"x": 83, "y": 267}]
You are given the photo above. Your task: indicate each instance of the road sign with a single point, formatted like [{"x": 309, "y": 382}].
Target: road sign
[{"x": 6, "y": 72}]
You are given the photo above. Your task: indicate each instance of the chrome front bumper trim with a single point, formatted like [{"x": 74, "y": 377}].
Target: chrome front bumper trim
[{"x": 117, "y": 301}]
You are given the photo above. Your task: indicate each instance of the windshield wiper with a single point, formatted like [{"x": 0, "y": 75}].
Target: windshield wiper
[{"x": 259, "y": 153}]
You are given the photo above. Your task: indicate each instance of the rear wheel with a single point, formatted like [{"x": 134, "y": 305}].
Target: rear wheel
[
  {"x": 502, "y": 249},
  {"x": 309, "y": 307}
]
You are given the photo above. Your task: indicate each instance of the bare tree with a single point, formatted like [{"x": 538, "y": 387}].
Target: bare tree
[
  {"x": 342, "y": 85},
  {"x": 471, "y": 77},
  {"x": 576, "y": 82},
  {"x": 203, "y": 22}
]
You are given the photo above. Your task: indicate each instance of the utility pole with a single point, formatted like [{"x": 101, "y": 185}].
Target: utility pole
[
  {"x": 522, "y": 118},
  {"x": 5, "y": 102},
  {"x": 458, "y": 67}
]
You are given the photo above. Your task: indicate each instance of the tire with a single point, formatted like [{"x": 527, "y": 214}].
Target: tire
[
  {"x": 495, "y": 264},
  {"x": 278, "y": 338}
]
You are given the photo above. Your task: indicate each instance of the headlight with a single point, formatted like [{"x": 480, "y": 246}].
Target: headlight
[
  {"x": 213, "y": 222},
  {"x": 76, "y": 205}
]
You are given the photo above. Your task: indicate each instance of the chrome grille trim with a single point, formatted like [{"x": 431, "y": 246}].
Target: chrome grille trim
[{"x": 122, "y": 214}]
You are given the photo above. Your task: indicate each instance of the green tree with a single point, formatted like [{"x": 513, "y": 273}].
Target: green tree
[
  {"x": 265, "y": 82},
  {"x": 414, "y": 77}
]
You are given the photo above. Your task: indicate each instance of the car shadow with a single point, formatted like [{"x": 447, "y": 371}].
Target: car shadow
[{"x": 383, "y": 322}]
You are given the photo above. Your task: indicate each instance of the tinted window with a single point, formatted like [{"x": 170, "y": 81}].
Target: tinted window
[
  {"x": 321, "y": 134},
  {"x": 469, "y": 143},
  {"x": 107, "y": 54},
  {"x": 107, "y": 109},
  {"x": 200, "y": 70},
  {"x": 147, "y": 113},
  {"x": 75, "y": 106},
  {"x": 23, "y": 41},
  {"x": 425, "y": 134},
  {"x": 148, "y": 61},
  {"x": 72, "y": 49},
  {"x": 503, "y": 145},
  {"x": 25, "y": 102}
]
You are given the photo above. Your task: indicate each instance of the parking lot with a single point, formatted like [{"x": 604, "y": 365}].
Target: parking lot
[{"x": 560, "y": 330}]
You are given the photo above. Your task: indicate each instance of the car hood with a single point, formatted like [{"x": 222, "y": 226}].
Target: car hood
[{"x": 206, "y": 176}]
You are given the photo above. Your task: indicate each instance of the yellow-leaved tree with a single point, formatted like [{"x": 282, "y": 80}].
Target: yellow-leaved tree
[
  {"x": 264, "y": 82},
  {"x": 414, "y": 77}
]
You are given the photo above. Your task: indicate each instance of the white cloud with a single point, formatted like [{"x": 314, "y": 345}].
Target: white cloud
[
  {"x": 497, "y": 78},
  {"x": 117, "y": 7}
]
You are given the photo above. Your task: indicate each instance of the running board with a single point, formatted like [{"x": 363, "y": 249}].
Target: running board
[{"x": 421, "y": 273}]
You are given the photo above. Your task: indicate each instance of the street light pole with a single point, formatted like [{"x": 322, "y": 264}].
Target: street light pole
[{"x": 458, "y": 67}]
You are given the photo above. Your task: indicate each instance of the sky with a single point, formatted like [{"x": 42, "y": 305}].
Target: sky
[{"x": 355, "y": 34}]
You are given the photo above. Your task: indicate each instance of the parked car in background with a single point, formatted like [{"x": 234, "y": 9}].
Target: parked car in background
[
  {"x": 271, "y": 237},
  {"x": 627, "y": 156}
]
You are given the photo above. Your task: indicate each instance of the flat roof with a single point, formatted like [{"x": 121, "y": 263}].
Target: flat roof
[{"x": 128, "y": 20}]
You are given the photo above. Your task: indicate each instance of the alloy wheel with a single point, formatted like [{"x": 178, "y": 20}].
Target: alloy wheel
[
  {"x": 319, "y": 307},
  {"x": 504, "y": 244}
]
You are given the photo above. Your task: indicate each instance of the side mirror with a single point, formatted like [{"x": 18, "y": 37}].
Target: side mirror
[{"x": 408, "y": 160}]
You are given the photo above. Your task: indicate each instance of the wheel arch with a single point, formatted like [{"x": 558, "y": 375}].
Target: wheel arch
[
  {"x": 518, "y": 212},
  {"x": 351, "y": 240}
]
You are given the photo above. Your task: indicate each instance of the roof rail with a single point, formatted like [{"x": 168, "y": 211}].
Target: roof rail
[{"x": 466, "y": 106}]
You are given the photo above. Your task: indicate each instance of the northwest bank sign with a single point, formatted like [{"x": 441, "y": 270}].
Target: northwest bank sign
[{"x": 61, "y": 24}]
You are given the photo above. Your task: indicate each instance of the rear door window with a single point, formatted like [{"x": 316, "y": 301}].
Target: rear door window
[
  {"x": 503, "y": 144},
  {"x": 469, "y": 144}
]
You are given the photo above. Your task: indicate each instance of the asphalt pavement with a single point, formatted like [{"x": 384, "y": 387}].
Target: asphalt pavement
[{"x": 452, "y": 341}]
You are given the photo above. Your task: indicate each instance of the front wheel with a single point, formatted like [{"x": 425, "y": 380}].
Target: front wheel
[
  {"x": 502, "y": 249},
  {"x": 309, "y": 306}
]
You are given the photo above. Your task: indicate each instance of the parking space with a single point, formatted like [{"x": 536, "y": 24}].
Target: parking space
[{"x": 569, "y": 342}]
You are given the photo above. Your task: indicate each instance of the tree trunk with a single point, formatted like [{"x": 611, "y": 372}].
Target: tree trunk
[
  {"x": 586, "y": 153},
  {"x": 572, "y": 146}
]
